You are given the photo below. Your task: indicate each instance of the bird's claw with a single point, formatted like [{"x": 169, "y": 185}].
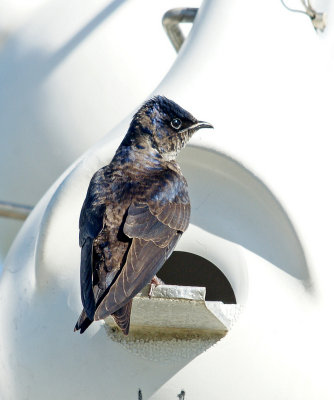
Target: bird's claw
[{"x": 155, "y": 281}]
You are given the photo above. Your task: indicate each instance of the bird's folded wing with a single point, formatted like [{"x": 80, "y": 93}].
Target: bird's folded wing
[
  {"x": 88, "y": 231},
  {"x": 141, "y": 223},
  {"x": 153, "y": 241},
  {"x": 87, "y": 294},
  {"x": 174, "y": 215},
  {"x": 90, "y": 224}
]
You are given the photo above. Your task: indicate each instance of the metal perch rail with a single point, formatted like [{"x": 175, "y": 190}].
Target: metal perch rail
[
  {"x": 171, "y": 21},
  {"x": 12, "y": 210}
]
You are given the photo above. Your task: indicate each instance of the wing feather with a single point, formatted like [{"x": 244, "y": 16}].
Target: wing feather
[
  {"x": 144, "y": 259},
  {"x": 87, "y": 295},
  {"x": 153, "y": 229},
  {"x": 90, "y": 224},
  {"x": 175, "y": 215}
]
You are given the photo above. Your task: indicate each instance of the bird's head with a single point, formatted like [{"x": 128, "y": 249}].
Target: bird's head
[{"x": 165, "y": 125}]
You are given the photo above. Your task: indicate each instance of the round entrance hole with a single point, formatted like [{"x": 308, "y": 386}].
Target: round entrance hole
[{"x": 187, "y": 269}]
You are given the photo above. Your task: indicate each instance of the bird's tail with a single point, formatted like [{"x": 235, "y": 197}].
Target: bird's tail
[
  {"x": 122, "y": 317},
  {"x": 82, "y": 323}
]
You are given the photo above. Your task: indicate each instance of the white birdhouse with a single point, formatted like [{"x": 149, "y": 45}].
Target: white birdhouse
[{"x": 259, "y": 240}]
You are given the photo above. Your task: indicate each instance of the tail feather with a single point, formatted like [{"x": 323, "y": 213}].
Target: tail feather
[
  {"x": 82, "y": 323},
  {"x": 87, "y": 294},
  {"x": 122, "y": 317}
]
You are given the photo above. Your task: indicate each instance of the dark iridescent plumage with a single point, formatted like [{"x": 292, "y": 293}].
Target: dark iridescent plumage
[{"x": 135, "y": 211}]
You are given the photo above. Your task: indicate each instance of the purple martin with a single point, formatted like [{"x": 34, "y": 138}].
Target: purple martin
[{"x": 134, "y": 213}]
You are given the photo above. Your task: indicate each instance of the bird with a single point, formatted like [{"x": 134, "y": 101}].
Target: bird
[{"x": 135, "y": 211}]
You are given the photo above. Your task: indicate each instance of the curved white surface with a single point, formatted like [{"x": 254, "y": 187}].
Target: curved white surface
[
  {"x": 253, "y": 84},
  {"x": 68, "y": 74}
]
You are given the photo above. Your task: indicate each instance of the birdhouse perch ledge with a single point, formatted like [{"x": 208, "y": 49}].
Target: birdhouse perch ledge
[{"x": 177, "y": 312}]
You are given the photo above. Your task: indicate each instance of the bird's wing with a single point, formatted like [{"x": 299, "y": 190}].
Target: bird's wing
[
  {"x": 90, "y": 224},
  {"x": 155, "y": 227}
]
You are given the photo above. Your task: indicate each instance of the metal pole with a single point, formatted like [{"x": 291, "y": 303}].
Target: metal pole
[
  {"x": 171, "y": 21},
  {"x": 12, "y": 210}
]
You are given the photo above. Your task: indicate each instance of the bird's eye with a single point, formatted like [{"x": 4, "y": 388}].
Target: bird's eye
[{"x": 176, "y": 123}]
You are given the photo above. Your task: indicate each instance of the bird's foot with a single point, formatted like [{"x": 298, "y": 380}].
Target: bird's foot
[{"x": 155, "y": 281}]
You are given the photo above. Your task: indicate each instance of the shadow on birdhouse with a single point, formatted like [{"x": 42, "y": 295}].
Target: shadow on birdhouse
[{"x": 187, "y": 269}]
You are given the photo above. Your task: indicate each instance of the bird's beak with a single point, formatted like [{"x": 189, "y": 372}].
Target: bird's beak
[
  {"x": 196, "y": 126},
  {"x": 201, "y": 125}
]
